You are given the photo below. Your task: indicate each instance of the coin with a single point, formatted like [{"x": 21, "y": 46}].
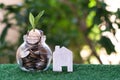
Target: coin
[{"x": 34, "y": 60}]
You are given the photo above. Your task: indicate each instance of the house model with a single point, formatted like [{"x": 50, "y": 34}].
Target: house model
[{"x": 62, "y": 57}]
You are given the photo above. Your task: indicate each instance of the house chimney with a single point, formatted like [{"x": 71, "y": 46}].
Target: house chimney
[{"x": 57, "y": 47}]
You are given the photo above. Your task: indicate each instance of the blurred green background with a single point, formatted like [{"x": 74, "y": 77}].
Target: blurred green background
[{"x": 83, "y": 26}]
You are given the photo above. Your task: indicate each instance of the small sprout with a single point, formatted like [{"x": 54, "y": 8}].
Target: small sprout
[{"x": 34, "y": 20}]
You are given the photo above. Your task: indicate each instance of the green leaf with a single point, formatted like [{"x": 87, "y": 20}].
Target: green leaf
[
  {"x": 4, "y": 33},
  {"x": 32, "y": 20},
  {"x": 106, "y": 43},
  {"x": 1, "y": 5},
  {"x": 37, "y": 18}
]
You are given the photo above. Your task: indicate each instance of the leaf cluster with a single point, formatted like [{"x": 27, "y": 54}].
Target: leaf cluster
[{"x": 34, "y": 20}]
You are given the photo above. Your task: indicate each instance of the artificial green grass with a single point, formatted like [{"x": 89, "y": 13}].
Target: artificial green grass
[{"x": 81, "y": 72}]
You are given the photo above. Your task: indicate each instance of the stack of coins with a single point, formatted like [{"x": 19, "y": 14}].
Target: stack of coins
[{"x": 36, "y": 60}]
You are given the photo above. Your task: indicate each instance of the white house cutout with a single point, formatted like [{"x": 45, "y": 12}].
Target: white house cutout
[{"x": 62, "y": 57}]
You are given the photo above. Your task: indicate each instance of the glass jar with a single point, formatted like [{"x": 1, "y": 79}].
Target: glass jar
[{"x": 34, "y": 54}]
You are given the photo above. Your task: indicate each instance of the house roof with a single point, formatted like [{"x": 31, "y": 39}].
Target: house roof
[{"x": 62, "y": 49}]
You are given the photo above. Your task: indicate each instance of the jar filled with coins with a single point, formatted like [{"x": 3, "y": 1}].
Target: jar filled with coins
[{"x": 34, "y": 54}]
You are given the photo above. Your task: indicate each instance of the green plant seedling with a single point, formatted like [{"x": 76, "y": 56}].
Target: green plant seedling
[{"x": 34, "y": 20}]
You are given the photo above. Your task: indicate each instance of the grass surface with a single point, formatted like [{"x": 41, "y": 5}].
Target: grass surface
[{"x": 81, "y": 72}]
